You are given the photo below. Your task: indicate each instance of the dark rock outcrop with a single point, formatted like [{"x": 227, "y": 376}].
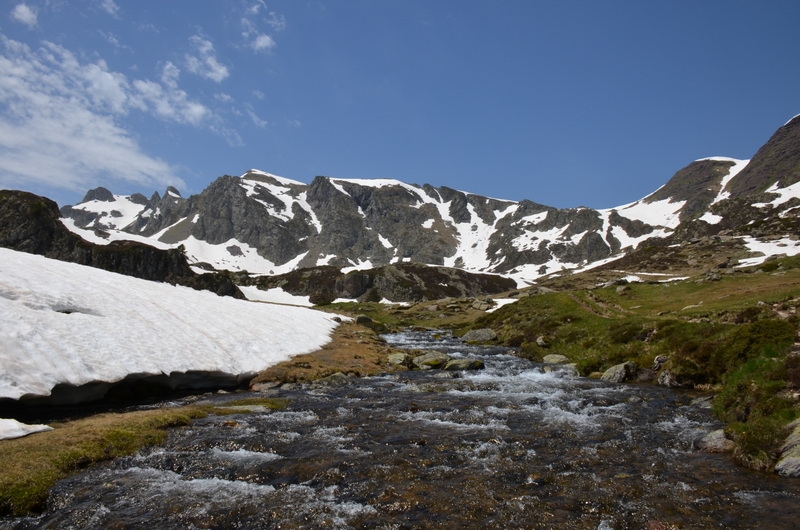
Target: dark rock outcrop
[
  {"x": 404, "y": 282},
  {"x": 30, "y": 223}
]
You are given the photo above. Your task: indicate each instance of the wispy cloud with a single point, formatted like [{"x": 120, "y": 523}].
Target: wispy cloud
[
  {"x": 253, "y": 21},
  {"x": 110, "y": 7},
  {"x": 257, "y": 121},
  {"x": 205, "y": 63},
  {"x": 25, "y": 14},
  {"x": 255, "y": 7},
  {"x": 61, "y": 118}
]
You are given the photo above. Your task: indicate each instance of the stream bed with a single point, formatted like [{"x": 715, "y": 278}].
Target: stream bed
[{"x": 510, "y": 446}]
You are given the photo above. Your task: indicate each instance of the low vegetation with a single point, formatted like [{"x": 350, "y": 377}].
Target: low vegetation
[
  {"x": 31, "y": 466},
  {"x": 732, "y": 334}
]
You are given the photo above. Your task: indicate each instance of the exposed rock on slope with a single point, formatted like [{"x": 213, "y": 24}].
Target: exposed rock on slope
[
  {"x": 263, "y": 223},
  {"x": 30, "y": 223},
  {"x": 397, "y": 283}
]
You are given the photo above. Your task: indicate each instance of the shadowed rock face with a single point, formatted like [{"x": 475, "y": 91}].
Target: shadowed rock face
[
  {"x": 407, "y": 282},
  {"x": 29, "y": 223},
  {"x": 777, "y": 161}
]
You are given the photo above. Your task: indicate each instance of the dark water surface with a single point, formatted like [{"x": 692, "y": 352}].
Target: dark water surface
[{"x": 506, "y": 447}]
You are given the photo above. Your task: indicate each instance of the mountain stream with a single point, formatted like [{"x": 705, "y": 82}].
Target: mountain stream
[{"x": 511, "y": 446}]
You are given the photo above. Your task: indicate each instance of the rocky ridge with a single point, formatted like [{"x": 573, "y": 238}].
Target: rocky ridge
[{"x": 265, "y": 224}]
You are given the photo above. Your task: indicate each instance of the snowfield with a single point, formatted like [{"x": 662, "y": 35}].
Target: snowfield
[{"x": 66, "y": 323}]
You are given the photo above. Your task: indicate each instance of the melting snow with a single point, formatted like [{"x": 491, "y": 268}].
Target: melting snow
[
  {"x": 736, "y": 168},
  {"x": 776, "y": 247},
  {"x": 66, "y": 323},
  {"x": 710, "y": 218},
  {"x": 657, "y": 213},
  {"x": 126, "y": 211},
  {"x": 274, "y": 296},
  {"x": 14, "y": 429},
  {"x": 784, "y": 195}
]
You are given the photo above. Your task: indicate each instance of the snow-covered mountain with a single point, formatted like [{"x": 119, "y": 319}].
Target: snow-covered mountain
[
  {"x": 263, "y": 223},
  {"x": 67, "y": 325}
]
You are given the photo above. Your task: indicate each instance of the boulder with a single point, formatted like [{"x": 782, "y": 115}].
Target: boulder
[
  {"x": 567, "y": 369},
  {"x": 668, "y": 379},
  {"x": 337, "y": 379},
  {"x": 434, "y": 359},
  {"x": 479, "y": 335},
  {"x": 789, "y": 462},
  {"x": 619, "y": 373},
  {"x": 555, "y": 358},
  {"x": 399, "y": 359},
  {"x": 715, "y": 442},
  {"x": 364, "y": 320},
  {"x": 464, "y": 364}
]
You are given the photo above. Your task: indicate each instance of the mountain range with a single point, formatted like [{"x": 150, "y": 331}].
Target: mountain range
[{"x": 268, "y": 225}]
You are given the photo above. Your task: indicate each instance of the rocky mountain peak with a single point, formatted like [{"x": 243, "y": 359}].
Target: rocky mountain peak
[
  {"x": 777, "y": 162},
  {"x": 98, "y": 194},
  {"x": 264, "y": 223}
]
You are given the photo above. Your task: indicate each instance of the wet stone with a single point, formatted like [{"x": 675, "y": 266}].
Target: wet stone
[
  {"x": 464, "y": 364},
  {"x": 399, "y": 359},
  {"x": 427, "y": 361},
  {"x": 508, "y": 446},
  {"x": 619, "y": 373}
]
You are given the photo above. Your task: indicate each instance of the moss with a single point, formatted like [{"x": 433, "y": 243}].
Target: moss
[{"x": 31, "y": 465}]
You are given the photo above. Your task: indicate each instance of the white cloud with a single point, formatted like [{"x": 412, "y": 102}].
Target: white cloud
[
  {"x": 110, "y": 7},
  {"x": 60, "y": 120},
  {"x": 114, "y": 41},
  {"x": 205, "y": 64},
  {"x": 25, "y": 14},
  {"x": 262, "y": 42},
  {"x": 256, "y": 120},
  {"x": 256, "y": 7},
  {"x": 276, "y": 21},
  {"x": 253, "y": 36}
]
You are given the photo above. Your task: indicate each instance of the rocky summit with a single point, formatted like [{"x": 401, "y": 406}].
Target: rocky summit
[{"x": 266, "y": 224}]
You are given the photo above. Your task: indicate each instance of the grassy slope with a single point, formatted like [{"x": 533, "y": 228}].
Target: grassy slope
[{"x": 734, "y": 335}]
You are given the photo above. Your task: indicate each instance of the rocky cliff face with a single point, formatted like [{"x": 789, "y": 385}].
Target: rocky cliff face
[
  {"x": 29, "y": 223},
  {"x": 263, "y": 223}
]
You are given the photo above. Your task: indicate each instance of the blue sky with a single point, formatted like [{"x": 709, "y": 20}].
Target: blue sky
[{"x": 566, "y": 103}]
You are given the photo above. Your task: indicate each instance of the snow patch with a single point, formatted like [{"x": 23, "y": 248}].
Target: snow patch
[
  {"x": 775, "y": 247},
  {"x": 13, "y": 429},
  {"x": 657, "y": 213},
  {"x": 274, "y": 296},
  {"x": 131, "y": 326},
  {"x": 710, "y": 218}
]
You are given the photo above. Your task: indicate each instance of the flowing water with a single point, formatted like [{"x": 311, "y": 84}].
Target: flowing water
[{"x": 506, "y": 447}]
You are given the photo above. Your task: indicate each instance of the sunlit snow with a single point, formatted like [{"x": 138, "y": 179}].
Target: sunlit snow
[
  {"x": 66, "y": 323},
  {"x": 14, "y": 429},
  {"x": 736, "y": 168},
  {"x": 657, "y": 213},
  {"x": 785, "y": 245},
  {"x": 274, "y": 296}
]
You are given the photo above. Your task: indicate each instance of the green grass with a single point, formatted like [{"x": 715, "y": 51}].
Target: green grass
[
  {"x": 30, "y": 466},
  {"x": 717, "y": 334}
]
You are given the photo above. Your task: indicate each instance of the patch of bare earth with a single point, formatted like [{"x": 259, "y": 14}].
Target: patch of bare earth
[{"x": 354, "y": 350}]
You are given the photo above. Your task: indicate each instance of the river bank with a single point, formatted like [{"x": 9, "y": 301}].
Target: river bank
[{"x": 510, "y": 446}]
